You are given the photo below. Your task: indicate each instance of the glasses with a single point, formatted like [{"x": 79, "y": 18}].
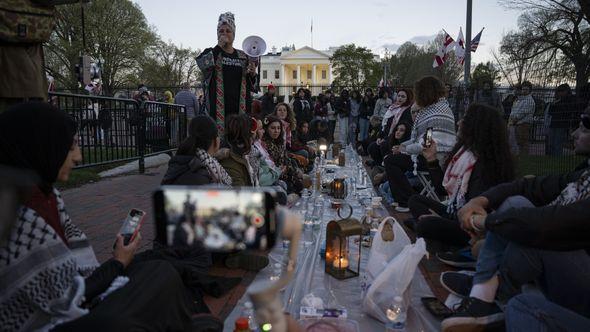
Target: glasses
[{"x": 585, "y": 118}]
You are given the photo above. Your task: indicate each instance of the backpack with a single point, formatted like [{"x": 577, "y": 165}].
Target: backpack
[{"x": 26, "y": 21}]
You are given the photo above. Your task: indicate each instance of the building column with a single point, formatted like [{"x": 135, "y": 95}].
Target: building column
[
  {"x": 299, "y": 75},
  {"x": 313, "y": 77},
  {"x": 283, "y": 80},
  {"x": 330, "y": 73}
]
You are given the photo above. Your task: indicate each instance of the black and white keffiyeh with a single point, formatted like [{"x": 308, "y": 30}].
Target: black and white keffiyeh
[
  {"x": 574, "y": 191},
  {"x": 215, "y": 169},
  {"x": 42, "y": 279}
]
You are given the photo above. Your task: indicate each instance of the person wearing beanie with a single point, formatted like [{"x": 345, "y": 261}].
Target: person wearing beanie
[
  {"x": 229, "y": 76},
  {"x": 269, "y": 101}
]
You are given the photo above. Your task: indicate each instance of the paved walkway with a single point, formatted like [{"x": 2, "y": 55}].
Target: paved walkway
[{"x": 100, "y": 208}]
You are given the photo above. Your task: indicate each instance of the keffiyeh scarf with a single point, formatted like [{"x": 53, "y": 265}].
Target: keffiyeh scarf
[
  {"x": 575, "y": 191},
  {"x": 220, "y": 94},
  {"x": 217, "y": 172},
  {"x": 456, "y": 178},
  {"x": 41, "y": 279}
]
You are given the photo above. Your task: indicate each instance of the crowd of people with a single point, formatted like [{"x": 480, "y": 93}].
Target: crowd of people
[{"x": 527, "y": 238}]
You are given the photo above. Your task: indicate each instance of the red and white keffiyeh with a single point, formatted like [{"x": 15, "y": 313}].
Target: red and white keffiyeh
[{"x": 456, "y": 179}]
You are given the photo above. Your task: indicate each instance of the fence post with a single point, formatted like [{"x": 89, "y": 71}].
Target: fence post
[{"x": 141, "y": 136}]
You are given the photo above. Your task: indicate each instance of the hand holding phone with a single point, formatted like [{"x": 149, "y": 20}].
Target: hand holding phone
[
  {"x": 124, "y": 253},
  {"x": 428, "y": 137}
]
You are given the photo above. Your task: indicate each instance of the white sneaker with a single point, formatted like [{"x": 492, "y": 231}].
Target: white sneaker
[{"x": 402, "y": 209}]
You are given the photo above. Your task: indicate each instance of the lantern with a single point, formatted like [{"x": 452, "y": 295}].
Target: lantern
[
  {"x": 339, "y": 188},
  {"x": 341, "y": 159},
  {"x": 343, "y": 259}
]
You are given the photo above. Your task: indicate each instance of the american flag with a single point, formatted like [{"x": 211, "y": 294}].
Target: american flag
[{"x": 475, "y": 41}]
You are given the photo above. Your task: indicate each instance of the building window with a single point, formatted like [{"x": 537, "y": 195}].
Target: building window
[
  {"x": 294, "y": 74},
  {"x": 264, "y": 74},
  {"x": 276, "y": 74},
  {"x": 323, "y": 74},
  {"x": 309, "y": 74}
]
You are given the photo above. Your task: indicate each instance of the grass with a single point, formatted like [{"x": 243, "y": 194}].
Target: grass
[
  {"x": 544, "y": 165},
  {"x": 82, "y": 176}
]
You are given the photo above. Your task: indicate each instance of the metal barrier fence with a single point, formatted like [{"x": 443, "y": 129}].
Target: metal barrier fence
[{"x": 112, "y": 130}]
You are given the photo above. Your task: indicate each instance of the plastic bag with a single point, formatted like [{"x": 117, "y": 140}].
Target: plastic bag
[
  {"x": 383, "y": 251},
  {"x": 394, "y": 281}
]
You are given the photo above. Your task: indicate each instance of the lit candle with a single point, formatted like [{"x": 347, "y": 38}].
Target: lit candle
[{"x": 341, "y": 263}]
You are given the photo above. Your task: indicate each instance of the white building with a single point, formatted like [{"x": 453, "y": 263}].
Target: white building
[{"x": 292, "y": 68}]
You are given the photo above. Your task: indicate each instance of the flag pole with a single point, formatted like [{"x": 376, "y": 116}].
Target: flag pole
[
  {"x": 467, "y": 72},
  {"x": 312, "y": 32}
]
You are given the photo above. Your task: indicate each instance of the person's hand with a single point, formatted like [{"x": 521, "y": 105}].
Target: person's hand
[
  {"x": 395, "y": 149},
  {"x": 429, "y": 152},
  {"x": 124, "y": 253},
  {"x": 251, "y": 69},
  {"x": 476, "y": 206},
  {"x": 429, "y": 215},
  {"x": 380, "y": 140}
]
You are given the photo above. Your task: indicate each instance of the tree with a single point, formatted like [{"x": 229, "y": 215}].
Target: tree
[
  {"x": 117, "y": 34},
  {"x": 550, "y": 25},
  {"x": 167, "y": 65},
  {"x": 484, "y": 73},
  {"x": 355, "y": 67}
]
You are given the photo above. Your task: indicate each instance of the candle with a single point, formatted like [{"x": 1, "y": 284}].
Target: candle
[{"x": 341, "y": 263}]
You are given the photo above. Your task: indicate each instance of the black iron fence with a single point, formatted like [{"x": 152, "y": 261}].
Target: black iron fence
[{"x": 114, "y": 130}]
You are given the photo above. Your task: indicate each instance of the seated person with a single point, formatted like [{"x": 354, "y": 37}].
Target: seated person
[
  {"x": 401, "y": 133},
  {"x": 53, "y": 281},
  {"x": 399, "y": 111},
  {"x": 319, "y": 129},
  {"x": 539, "y": 232},
  {"x": 194, "y": 163},
  {"x": 239, "y": 140},
  {"x": 300, "y": 139},
  {"x": 479, "y": 160},
  {"x": 436, "y": 114},
  {"x": 275, "y": 145}
]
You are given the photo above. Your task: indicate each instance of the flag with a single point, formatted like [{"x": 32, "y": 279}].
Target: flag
[
  {"x": 475, "y": 41},
  {"x": 460, "y": 47},
  {"x": 441, "y": 55}
]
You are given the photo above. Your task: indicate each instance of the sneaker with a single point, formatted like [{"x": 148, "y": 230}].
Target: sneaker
[
  {"x": 473, "y": 315},
  {"x": 246, "y": 261},
  {"x": 460, "y": 258},
  {"x": 403, "y": 209},
  {"x": 458, "y": 283}
]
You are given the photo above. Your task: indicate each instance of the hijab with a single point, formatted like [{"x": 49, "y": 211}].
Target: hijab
[{"x": 36, "y": 136}]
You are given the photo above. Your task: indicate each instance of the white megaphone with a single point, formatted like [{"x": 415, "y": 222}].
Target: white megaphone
[{"x": 254, "y": 47}]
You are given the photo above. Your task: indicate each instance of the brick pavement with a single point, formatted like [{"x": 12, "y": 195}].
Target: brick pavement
[{"x": 100, "y": 208}]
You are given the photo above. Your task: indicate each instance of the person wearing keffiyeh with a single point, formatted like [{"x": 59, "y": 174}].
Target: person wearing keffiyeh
[
  {"x": 228, "y": 75},
  {"x": 50, "y": 278}
]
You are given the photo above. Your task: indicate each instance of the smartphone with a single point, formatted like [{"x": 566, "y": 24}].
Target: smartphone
[
  {"x": 220, "y": 219},
  {"x": 131, "y": 225},
  {"x": 428, "y": 137},
  {"x": 436, "y": 307}
]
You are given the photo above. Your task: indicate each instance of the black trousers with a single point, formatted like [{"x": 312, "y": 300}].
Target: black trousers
[
  {"x": 396, "y": 166},
  {"x": 445, "y": 228}
]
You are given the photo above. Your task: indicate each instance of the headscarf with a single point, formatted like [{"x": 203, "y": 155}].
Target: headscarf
[
  {"x": 227, "y": 18},
  {"x": 38, "y": 137}
]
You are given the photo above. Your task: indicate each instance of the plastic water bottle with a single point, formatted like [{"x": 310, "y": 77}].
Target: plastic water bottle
[
  {"x": 364, "y": 286},
  {"x": 396, "y": 314},
  {"x": 248, "y": 312}
]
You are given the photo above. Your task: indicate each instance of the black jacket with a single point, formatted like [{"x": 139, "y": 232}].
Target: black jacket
[
  {"x": 366, "y": 108},
  {"x": 268, "y": 104},
  {"x": 342, "y": 106},
  {"x": 565, "y": 113},
  {"x": 302, "y": 109},
  {"x": 186, "y": 170},
  {"x": 547, "y": 227}
]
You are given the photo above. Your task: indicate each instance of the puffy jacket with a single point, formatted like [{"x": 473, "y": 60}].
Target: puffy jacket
[{"x": 186, "y": 170}]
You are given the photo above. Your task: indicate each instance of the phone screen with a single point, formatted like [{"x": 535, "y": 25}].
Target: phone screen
[
  {"x": 131, "y": 225},
  {"x": 219, "y": 219}
]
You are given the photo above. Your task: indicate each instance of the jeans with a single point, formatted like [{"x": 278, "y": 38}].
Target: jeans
[
  {"x": 561, "y": 275},
  {"x": 343, "y": 130},
  {"x": 331, "y": 128},
  {"x": 363, "y": 129},
  {"x": 492, "y": 253},
  {"x": 533, "y": 312},
  {"x": 557, "y": 137}
]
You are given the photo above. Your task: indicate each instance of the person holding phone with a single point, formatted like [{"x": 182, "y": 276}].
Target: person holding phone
[
  {"x": 430, "y": 94},
  {"x": 51, "y": 279}
]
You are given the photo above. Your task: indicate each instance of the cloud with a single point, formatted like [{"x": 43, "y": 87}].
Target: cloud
[
  {"x": 422, "y": 40},
  {"x": 381, "y": 4}
]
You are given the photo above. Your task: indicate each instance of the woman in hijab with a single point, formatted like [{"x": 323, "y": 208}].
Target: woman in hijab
[{"x": 49, "y": 276}]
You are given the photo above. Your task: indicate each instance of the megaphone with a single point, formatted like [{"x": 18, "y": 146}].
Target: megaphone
[{"x": 254, "y": 47}]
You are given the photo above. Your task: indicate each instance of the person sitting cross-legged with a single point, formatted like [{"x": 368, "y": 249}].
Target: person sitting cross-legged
[
  {"x": 479, "y": 160},
  {"x": 539, "y": 232}
]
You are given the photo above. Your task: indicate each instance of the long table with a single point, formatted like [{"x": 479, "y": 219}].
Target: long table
[{"x": 311, "y": 278}]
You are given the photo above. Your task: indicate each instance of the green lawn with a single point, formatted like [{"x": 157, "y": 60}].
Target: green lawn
[
  {"x": 544, "y": 165},
  {"x": 82, "y": 176}
]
